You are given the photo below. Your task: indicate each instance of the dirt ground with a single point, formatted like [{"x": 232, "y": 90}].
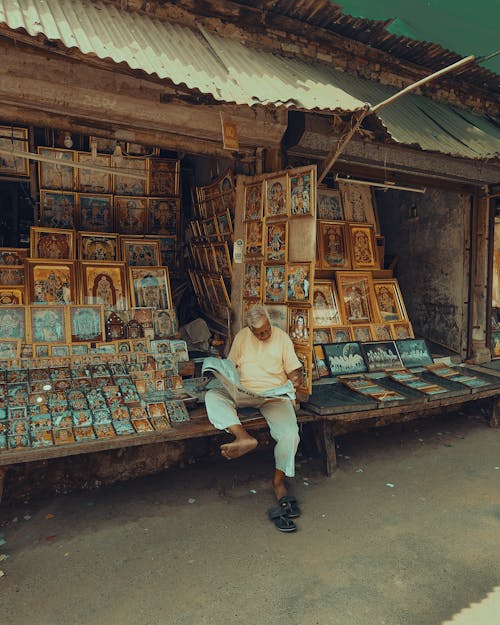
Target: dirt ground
[{"x": 405, "y": 533}]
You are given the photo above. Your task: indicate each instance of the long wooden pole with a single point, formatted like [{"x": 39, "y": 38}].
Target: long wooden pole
[{"x": 46, "y": 159}]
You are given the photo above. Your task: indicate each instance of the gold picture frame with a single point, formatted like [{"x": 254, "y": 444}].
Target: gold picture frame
[
  {"x": 51, "y": 281},
  {"x": 140, "y": 251},
  {"x": 341, "y": 334},
  {"x": 98, "y": 246},
  {"x": 333, "y": 245},
  {"x": 276, "y": 198},
  {"x": 13, "y": 323},
  {"x": 150, "y": 287},
  {"x": 103, "y": 283},
  {"x": 362, "y": 332},
  {"x": 164, "y": 176},
  {"x": 362, "y": 244},
  {"x": 13, "y": 256},
  {"x": 48, "y": 324},
  {"x": 9, "y": 349},
  {"x": 86, "y": 323},
  {"x": 357, "y": 200},
  {"x": 330, "y": 205},
  {"x": 57, "y": 209},
  {"x": 14, "y": 138},
  {"x": 305, "y": 357},
  {"x": 57, "y": 176},
  {"x": 254, "y": 234},
  {"x": 252, "y": 280},
  {"x": 95, "y": 212},
  {"x": 124, "y": 185},
  {"x": 389, "y": 300},
  {"x": 254, "y": 201},
  {"x": 356, "y": 297},
  {"x": 302, "y": 191},
  {"x": 93, "y": 181},
  {"x": 299, "y": 325},
  {"x": 164, "y": 215},
  {"x": 12, "y": 276},
  {"x": 381, "y": 332},
  {"x": 276, "y": 242},
  {"x": 299, "y": 279},
  {"x": 12, "y": 296},
  {"x": 130, "y": 214},
  {"x": 53, "y": 243},
  {"x": 402, "y": 330},
  {"x": 325, "y": 305}
]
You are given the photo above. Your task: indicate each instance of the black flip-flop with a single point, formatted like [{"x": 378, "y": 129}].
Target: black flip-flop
[
  {"x": 289, "y": 505},
  {"x": 281, "y": 520}
]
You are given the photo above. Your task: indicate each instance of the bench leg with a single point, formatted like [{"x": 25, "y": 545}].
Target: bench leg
[
  {"x": 495, "y": 412},
  {"x": 3, "y": 473},
  {"x": 327, "y": 446}
]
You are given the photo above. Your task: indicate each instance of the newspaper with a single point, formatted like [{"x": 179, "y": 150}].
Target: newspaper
[{"x": 225, "y": 372}]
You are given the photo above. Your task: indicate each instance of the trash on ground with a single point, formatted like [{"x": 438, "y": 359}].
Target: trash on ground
[
  {"x": 191, "y": 500},
  {"x": 390, "y": 485},
  {"x": 27, "y": 517},
  {"x": 2, "y": 573},
  {"x": 2, "y": 541},
  {"x": 359, "y": 470},
  {"x": 3, "y": 556},
  {"x": 49, "y": 516},
  {"x": 306, "y": 483},
  {"x": 253, "y": 491}
]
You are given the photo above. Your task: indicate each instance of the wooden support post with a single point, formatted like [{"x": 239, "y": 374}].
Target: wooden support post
[
  {"x": 326, "y": 443},
  {"x": 3, "y": 473},
  {"x": 495, "y": 412}
]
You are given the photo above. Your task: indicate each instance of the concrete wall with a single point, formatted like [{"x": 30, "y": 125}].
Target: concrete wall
[{"x": 433, "y": 259}]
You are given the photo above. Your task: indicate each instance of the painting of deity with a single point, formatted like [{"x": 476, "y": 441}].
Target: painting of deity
[
  {"x": 90, "y": 180},
  {"x": 276, "y": 204},
  {"x": 326, "y": 310},
  {"x": 333, "y": 246},
  {"x": 57, "y": 209},
  {"x": 150, "y": 287},
  {"x": 141, "y": 252},
  {"x": 95, "y": 212},
  {"x": 104, "y": 283},
  {"x": 11, "y": 275},
  {"x": 163, "y": 177},
  {"x": 276, "y": 242},
  {"x": 125, "y": 185},
  {"x": 12, "y": 256},
  {"x": 48, "y": 324},
  {"x": 275, "y": 287},
  {"x": 52, "y": 243},
  {"x": 13, "y": 322},
  {"x": 356, "y": 297},
  {"x": 302, "y": 192},
  {"x": 363, "y": 250},
  {"x": 14, "y": 139},
  {"x": 253, "y": 202},
  {"x": 299, "y": 329},
  {"x": 130, "y": 215},
  {"x": 9, "y": 296},
  {"x": 299, "y": 282},
  {"x": 330, "y": 205},
  {"x": 253, "y": 242},
  {"x": 252, "y": 278},
  {"x": 51, "y": 281},
  {"x": 389, "y": 300},
  {"x": 56, "y": 175},
  {"x": 163, "y": 215},
  {"x": 86, "y": 323},
  {"x": 95, "y": 246},
  {"x": 358, "y": 203}
]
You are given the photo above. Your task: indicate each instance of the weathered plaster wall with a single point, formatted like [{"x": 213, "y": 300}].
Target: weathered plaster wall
[{"x": 433, "y": 260}]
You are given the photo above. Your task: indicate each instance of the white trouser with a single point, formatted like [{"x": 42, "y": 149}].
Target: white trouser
[{"x": 277, "y": 411}]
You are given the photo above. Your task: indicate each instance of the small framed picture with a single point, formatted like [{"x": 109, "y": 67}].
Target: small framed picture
[
  {"x": 165, "y": 324},
  {"x": 130, "y": 214},
  {"x": 414, "y": 352},
  {"x": 57, "y": 209},
  {"x": 253, "y": 239},
  {"x": 86, "y": 323},
  {"x": 125, "y": 185},
  {"x": 326, "y": 311},
  {"x": 322, "y": 335},
  {"x": 141, "y": 252},
  {"x": 344, "y": 358},
  {"x": 95, "y": 212},
  {"x": 80, "y": 349},
  {"x": 163, "y": 215},
  {"x": 356, "y": 296},
  {"x": 13, "y": 256},
  {"x": 12, "y": 275},
  {"x": 357, "y": 201},
  {"x": 13, "y": 323},
  {"x": 276, "y": 241},
  {"x": 222, "y": 259},
  {"x": 91, "y": 180},
  {"x": 302, "y": 192},
  {"x": 150, "y": 287},
  {"x": 402, "y": 330},
  {"x": 12, "y": 138},
  {"x": 41, "y": 350},
  {"x": 381, "y": 332},
  {"x": 299, "y": 328},
  {"x": 47, "y": 324},
  {"x": 224, "y": 224},
  {"x": 389, "y": 300},
  {"x": 333, "y": 245},
  {"x": 57, "y": 175},
  {"x": 362, "y": 333},
  {"x": 9, "y": 348},
  {"x": 254, "y": 201},
  {"x": 164, "y": 177},
  {"x": 97, "y": 246},
  {"x": 275, "y": 284},
  {"x": 12, "y": 296},
  {"x": 299, "y": 283},
  {"x": 104, "y": 283},
  {"x": 330, "y": 205},
  {"x": 305, "y": 357},
  {"x": 59, "y": 350},
  {"x": 276, "y": 201},
  {"x": 364, "y": 253},
  {"x": 341, "y": 334},
  {"x": 381, "y": 355},
  {"x": 252, "y": 280},
  {"x": 51, "y": 281},
  {"x": 52, "y": 243}
]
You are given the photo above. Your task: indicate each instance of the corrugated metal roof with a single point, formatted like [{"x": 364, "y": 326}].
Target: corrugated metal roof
[{"x": 233, "y": 72}]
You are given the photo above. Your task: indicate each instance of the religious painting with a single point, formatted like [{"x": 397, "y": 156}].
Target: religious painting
[
  {"x": 163, "y": 215},
  {"x": 167, "y": 250},
  {"x": 221, "y": 292},
  {"x": 13, "y": 256},
  {"x": 95, "y": 212},
  {"x": 13, "y": 322},
  {"x": 104, "y": 283},
  {"x": 341, "y": 334},
  {"x": 224, "y": 224},
  {"x": 299, "y": 328},
  {"x": 9, "y": 349},
  {"x": 381, "y": 356},
  {"x": 165, "y": 323},
  {"x": 344, "y": 358},
  {"x": 48, "y": 324},
  {"x": 126, "y": 185},
  {"x": 96, "y": 246},
  {"x": 93, "y": 181},
  {"x": 389, "y": 300},
  {"x": 253, "y": 240},
  {"x": 11, "y": 297},
  {"x": 330, "y": 205},
  {"x": 141, "y": 252},
  {"x": 326, "y": 311},
  {"x": 14, "y": 139},
  {"x": 356, "y": 297},
  {"x": 222, "y": 259},
  {"x": 381, "y": 332},
  {"x": 59, "y": 351},
  {"x": 402, "y": 330},
  {"x": 276, "y": 242},
  {"x": 321, "y": 335},
  {"x": 253, "y": 202},
  {"x": 211, "y": 229},
  {"x": 252, "y": 280},
  {"x": 362, "y": 333},
  {"x": 56, "y": 175},
  {"x": 358, "y": 203},
  {"x": 51, "y": 281},
  {"x": 275, "y": 201},
  {"x": 57, "y": 209},
  {"x": 80, "y": 348},
  {"x": 11, "y": 275},
  {"x": 104, "y": 145},
  {"x": 164, "y": 177},
  {"x": 130, "y": 215},
  {"x": 150, "y": 287},
  {"x": 86, "y": 323},
  {"x": 302, "y": 192},
  {"x": 275, "y": 285},
  {"x": 333, "y": 245},
  {"x": 299, "y": 283},
  {"x": 414, "y": 352},
  {"x": 364, "y": 254},
  {"x": 305, "y": 358},
  {"x": 52, "y": 243},
  {"x": 226, "y": 183}
]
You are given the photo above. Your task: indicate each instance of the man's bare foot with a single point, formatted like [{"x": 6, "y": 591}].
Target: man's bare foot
[{"x": 239, "y": 447}]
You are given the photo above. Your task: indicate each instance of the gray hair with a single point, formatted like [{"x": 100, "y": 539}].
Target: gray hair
[{"x": 256, "y": 316}]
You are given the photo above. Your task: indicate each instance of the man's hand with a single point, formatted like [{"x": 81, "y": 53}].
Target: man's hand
[{"x": 295, "y": 377}]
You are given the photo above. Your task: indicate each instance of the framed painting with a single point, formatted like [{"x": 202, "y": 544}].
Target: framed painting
[
  {"x": 341, "y": 334},
  {"x": 224, "y": 224},
  {"x": 275, "y": 200},
  {"x": 57, "y": 175},
  {"x": 144, "y": 316},
  {"x": 58, "y": 351},
  {"x": 95, "y": 212},
  {"x": 330, "y": 205},
  {"x": 226, "y": 182},
  {"x": 167, "y": 250},
  {"x": 210, "y": 229},
  {"x": 357, "y": 201},
  {"x": 41, "y": 350},
  {"x": 253, "y": 238},
  {"x": 163, "y": 215},
  {"x": 320, "y": 361},
  {"x": 305, "y": 357},
  {"x": 355, "y": 289},
  {"x": 12, "y": 275},
  {"x": 333, "y": 245},
  {"x": 11, "y": 296},
  {"x": 381, "y": 332},
  {"x": 130, "y": 214},
  {"x": 150, "y": 287},
  {"x": 78, "y": 349},
  {"x": 86, "y": 323},
  {"x": 9, "y": 349},
  {"x": 12, "y": 138},
  {"x": 321, "y": 335},
  {"x": 47, "y": 324},
  {"x": 51, "y": 281},
  {"x": 220, "y": 291},
  {"x": 252, "y": 280},
  {"x": 275, "y": 284},
  {"x": 402, "y": 330},
  {"x": 299, "y": 325},
  {"x": 90, "y": 180},
  {"x": 326, "y": 311},
  {"x": 222, "y": 259},
  {"x": 344, "y": 358},
  {"x": 13, "y": 256},
  {"x": 103, "y": 283},
  {"x": 364, "y": 253},
  {"x": 299, "y": 283},
  {"x": 164, "y": 176},
  {"x": 389, "y": 300},
  {"x": 97, "y": 246},
  {"x": 125, "y": 185},
  {"x": 414, "y": 352},
  {"x": 362, "y": 333},
  {"x": 52, "y": 243},
  {"x": 381, "y": 356},
  {"x": 57, "y": 209},
  {"x": 136, "y": 149},
  {"x": 140, "y": 252},
  {"x": 302, "y": 192},
  {"x": 254, "y": 202},
  {"x": 165, "y": 324},
  {"x": 13, "y": 323},
  {"x": 103, "y": 144},
  {"x": 276, "y": 241}
]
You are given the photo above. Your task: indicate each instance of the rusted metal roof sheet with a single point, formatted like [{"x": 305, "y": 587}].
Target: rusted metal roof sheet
[{"x": 230, "y": 71}]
